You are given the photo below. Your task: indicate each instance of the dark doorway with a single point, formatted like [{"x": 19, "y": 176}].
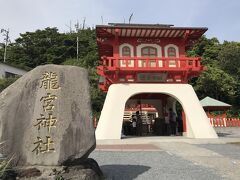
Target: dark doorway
[{"x": 153, "y": 114}]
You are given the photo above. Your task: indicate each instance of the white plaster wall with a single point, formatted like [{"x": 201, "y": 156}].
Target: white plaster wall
[
  {"x": 110, "y": 122},
  {"x": 6, "y": 68}
]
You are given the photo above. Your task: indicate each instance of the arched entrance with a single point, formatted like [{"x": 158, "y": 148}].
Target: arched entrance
[
  {"x": 110, "y": 122},
  {"x": 154, "y": 113}
]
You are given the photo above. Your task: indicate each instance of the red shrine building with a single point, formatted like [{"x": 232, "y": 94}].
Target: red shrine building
[{"x": 147, "y": 63}]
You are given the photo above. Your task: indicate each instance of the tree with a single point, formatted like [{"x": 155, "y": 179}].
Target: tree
[
  {"x": 208, "y": 49},
  {"x": 48, "y": 46},
  {"x": 37, "y": 48},
  {"x": 216, "y": 83},
  {"x": 221, "y": 80},
  {"x": 229, "y": 58},
  {"x": 1, "y": 51}
]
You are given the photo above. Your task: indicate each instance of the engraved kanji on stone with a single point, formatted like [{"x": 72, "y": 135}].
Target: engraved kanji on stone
[
  {"x": 48, "y": 101},
  {"x": 46, "y": 122},
  {"x": 43, "y": 147},
  {"x": 49, "y": 81}
]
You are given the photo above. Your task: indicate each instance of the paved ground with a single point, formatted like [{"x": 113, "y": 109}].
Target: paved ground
[{"x": 169, "y": 158}]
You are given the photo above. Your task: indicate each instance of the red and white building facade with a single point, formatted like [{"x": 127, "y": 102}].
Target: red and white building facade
[{"x": 148, "y": 60}]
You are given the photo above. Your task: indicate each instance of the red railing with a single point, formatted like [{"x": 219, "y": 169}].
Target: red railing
[
  {"x": 151, "y": 63},
  {"x": 225, "y": 122}
]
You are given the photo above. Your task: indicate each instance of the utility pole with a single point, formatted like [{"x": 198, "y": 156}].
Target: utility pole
[
  {"x": 84, "y": 21},
  {"x": 6, "y": 35},
  {"x": 77, "y": 27},
  {"x": 130, "y": 18},
  {"x": 77, "y": 48},
  {"x": 102, "y": 19}
]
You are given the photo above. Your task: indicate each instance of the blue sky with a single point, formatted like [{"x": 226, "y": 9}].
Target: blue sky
[{"x": 222, "y": 17}]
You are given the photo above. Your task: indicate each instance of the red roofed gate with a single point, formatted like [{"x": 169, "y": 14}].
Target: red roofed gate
[{"x": 145, "y": 57}]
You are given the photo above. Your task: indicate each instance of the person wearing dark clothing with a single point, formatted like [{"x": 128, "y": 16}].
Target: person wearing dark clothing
[
  {"x": 134, "y": 125},
  {"x": 179, "y": 124},
  {"x": 167, "y": 129},
  {"x": 139, "y": 124},
  {"x": 172, "y": 120}
]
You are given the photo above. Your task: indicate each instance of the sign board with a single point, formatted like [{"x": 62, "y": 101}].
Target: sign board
[{"x": 151, "y": 77}]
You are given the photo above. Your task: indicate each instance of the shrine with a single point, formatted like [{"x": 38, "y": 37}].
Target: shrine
[{"x": 148, "y": 62}]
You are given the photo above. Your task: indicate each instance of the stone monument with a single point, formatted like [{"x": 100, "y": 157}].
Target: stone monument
[{"x": 45, "y": 117}]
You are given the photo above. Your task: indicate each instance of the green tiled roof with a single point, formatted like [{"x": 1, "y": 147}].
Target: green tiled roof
[{"x": 210, "y": 102}]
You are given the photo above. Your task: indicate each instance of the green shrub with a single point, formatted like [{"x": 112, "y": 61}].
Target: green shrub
[
  {"x": 5, "y": 82},
  {"x": 4, "y": 165}
]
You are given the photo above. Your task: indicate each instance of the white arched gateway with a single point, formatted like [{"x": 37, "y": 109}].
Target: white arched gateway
[
  {"x": 110, "y": 122},
  {"x": 149, "y": 59}
]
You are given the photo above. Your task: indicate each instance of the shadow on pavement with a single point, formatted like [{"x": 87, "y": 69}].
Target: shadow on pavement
[
  {"x": 223, "y": 134},
  {"x": 124, "y": 172}
]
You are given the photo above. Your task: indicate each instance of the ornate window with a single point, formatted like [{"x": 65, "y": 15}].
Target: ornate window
[
  {"x": 126, "y": 51},
  {"x": 171, "y": 52},
  {"x": 149, "y": 51}
]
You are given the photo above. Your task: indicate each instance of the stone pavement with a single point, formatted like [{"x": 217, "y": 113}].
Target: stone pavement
[
  {"x": 127, "y": 147},
  {"x": 169, "y": 158}
]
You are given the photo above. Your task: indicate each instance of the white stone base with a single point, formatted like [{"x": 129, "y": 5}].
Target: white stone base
[{"x": 111, "y": 119}]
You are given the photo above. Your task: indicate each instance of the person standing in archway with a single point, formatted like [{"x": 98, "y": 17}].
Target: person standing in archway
[
  {"x": 134, "y": 125},
  {"x": 172, "y": 120},
  {"x": 139, "y": 124}
]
